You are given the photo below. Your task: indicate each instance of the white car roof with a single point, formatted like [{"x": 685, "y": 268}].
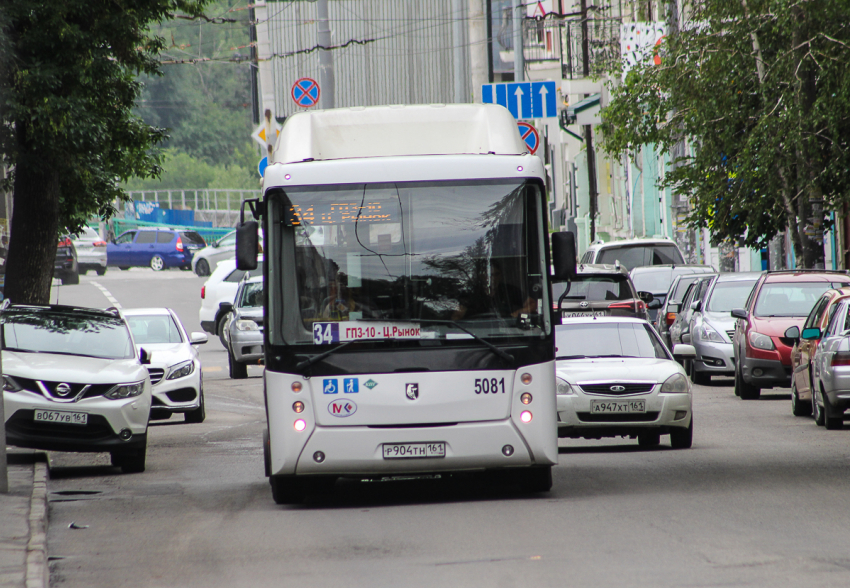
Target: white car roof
[{"x": 621, "y": 243}]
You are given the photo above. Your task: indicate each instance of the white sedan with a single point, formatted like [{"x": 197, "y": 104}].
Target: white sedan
[
  {"x": 175, "y": 365},
  {"x": 615, "y": 378}
]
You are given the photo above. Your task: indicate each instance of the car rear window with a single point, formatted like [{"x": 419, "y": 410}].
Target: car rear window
[
  {"x": 192, "y": 238},
  {"x": 664, "y": 254},
  {"x": 613, "y": 287},
  {"x": 577, "y": 341},
  {"x": 791, "y": 298},
  {"x": 628, "y": 257},
  {"x": 237, "y": 275},
  {"x": 164, "y": 237},
  {"x": 656, "y": 281}
]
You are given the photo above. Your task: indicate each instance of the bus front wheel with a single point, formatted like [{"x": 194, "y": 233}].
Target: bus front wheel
[
  {"x": 538, "y": 479},
  {"x": 287, "y": 489}
]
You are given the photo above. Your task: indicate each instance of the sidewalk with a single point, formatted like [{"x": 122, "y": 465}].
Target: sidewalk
[{"x": 23, "y": 522}]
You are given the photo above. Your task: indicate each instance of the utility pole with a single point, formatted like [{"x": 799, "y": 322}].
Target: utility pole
[
  {"x": 478, "y": 70},
  {"x": 588, "y": 129},
  {"x": 457, "y": 52},
  {"x": 326, "y": 58},
  {"x": 519, "y": 58}
]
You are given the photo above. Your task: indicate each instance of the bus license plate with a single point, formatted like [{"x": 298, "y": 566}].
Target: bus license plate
[
  {"x": 413, "y": 450},
  {"x": 65, "y": 418},
  {"x": 617, "y": 406}
]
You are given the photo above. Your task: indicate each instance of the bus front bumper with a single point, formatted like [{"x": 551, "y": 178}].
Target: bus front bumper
[{"x": 359, "y": 451}]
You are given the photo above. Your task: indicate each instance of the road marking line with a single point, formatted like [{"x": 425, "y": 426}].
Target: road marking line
[{"x": 108, "y": 294}]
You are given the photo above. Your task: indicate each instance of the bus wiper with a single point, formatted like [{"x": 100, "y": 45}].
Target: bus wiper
[
  {"x": 503, "y": 354},
  {"x": 308, "y": 362}
]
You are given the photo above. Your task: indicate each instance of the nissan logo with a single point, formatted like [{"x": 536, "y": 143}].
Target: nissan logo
[
  {"x": 618, "y": 388},
  {"x": 63, "y": 389}
]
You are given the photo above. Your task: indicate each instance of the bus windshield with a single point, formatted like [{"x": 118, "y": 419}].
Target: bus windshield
[{"x": 415, "y": 260}]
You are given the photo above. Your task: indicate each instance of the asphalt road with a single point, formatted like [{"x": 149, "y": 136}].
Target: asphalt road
[{"x": 760, "y": 500}]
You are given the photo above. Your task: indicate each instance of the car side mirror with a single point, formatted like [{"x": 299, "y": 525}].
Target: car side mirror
[
  {"x": 563, "y": 256},
  {"x": 810, "y": 334},
  {"x": 654, "y": 303},
  {"x": 198, "y": 338},
  {"x": 792, "y": 333},
  {"x": 740, "y": 313},
  {"x": 144, "y": 356},
  {"x": 696, "y": 305},
  {"x": 645, "y": 296},
  {"x": 683, "y": 350}
]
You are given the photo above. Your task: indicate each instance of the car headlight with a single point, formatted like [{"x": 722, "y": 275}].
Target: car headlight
[
  {"x": 563, "y": 387},
  {"x": 9, "y": 384},
  {"x": 675, "y": 384},
  {"x": 247, "y": 325},
  {"x": 707, "y": 333},
  {"x": 181, "y": 370},
  {"x": 760, "y": 341},
  {"x": 122, "y": 391}
]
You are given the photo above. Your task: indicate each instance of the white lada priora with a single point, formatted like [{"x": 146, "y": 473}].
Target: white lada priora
[
  {"x": 177, "y": 383},
  {"x": 615, "y": 378},
  {"x": 72, "y": 382}
]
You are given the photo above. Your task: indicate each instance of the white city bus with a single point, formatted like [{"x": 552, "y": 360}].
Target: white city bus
[{"x": 406, "y": 323}]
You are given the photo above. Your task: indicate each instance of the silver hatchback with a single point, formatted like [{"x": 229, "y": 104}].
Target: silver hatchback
[{"x": 831, "y": 369}]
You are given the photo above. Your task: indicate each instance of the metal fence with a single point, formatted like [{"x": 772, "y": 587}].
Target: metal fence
[
  {"x": 220, "y": 207},
  {"x": 561, "y": 41}
]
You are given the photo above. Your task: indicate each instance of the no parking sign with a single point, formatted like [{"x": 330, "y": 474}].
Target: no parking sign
[
  {"x": 306, "y": 92},
  {"x": 529, "y": 135}
]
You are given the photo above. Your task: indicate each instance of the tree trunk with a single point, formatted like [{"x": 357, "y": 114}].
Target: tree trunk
[
  {"x": 35, "y": 227},
  {"x": 808, "y": 156}
]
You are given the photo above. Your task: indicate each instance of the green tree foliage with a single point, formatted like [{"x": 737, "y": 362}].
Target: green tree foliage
[
  {"x": 203, "y": 96},
  {"x": 760, "y": 90},
  {"x": 66, "y": 123}
]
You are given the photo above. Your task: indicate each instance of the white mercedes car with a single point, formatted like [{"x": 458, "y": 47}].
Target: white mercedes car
[
  {"x": 73, "y": 381},
  {"x": 175, "y": 365},
  {"x": 615, "y": 378}
]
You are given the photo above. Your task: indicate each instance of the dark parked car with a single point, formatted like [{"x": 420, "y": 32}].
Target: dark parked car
[
  {"x": 601, "y": 290},
  {"x": 65, "y": 265},
  {"x": 157, "y": 248}
]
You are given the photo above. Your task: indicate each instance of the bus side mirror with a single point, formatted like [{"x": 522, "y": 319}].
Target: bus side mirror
[
  {"x": 563, "y": 256},
  {"x": 247, "y": 245}
]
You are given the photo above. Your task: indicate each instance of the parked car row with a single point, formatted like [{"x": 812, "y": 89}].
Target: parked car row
[{"x": 90, "y": 380}]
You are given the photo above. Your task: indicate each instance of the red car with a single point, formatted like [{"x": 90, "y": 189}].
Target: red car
[{"x": 779, "y": 300}]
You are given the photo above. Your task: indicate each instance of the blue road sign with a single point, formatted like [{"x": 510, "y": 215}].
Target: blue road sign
[
  {"x": 530, "y": 136},
  {"x": 261, "y": 167},
  {"x": 305, "y": 92},
  {"x": 524, "y": 99}
]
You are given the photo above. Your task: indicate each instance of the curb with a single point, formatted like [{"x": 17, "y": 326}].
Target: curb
[{"x": 37, "y": 572}]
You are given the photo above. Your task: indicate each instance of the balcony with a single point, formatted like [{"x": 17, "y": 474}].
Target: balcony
[{"x": 554, "y": 41}]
